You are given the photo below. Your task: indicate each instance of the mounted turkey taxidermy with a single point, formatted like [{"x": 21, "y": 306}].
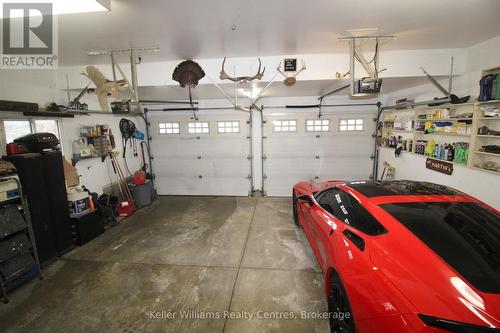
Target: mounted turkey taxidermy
[{"x": 188, "y": 73}]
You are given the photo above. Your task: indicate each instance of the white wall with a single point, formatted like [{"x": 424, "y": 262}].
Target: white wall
[
  {"x": 27, "y": 85},
  {"x": 481, "y": 184},
  {"x": 94, "y": 173}
]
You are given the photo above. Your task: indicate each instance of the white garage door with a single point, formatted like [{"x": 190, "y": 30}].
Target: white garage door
[
  {"x": 300, "y": 146},
  {"x": 204, "y": 157}
]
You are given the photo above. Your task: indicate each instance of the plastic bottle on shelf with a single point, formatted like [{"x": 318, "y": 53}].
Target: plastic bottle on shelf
[
  {"x": 452, "y": 152},
  {"x": 76, "y": 149}
]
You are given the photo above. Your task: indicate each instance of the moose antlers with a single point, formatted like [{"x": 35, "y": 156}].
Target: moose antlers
[{"x": 258, "y": 76}]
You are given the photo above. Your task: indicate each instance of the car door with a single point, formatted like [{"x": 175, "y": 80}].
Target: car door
[
  {"x": 305, "y": 205},
  {"x": 346, "y": 226},
  {"x": 322, "y": 224}
]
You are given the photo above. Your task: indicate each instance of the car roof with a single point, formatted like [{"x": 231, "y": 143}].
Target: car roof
[{"x": 372, "y": 188}]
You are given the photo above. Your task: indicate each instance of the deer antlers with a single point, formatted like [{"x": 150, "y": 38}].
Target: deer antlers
[{"x": 258, "y": 76}]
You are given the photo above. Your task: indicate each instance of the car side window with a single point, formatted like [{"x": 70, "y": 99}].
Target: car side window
[
  {"x": 347, "y": 209},
  {"x": 328, "y": 200}
]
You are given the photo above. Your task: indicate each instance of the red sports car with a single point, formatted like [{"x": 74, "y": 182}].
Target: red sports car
[{"x": 403, "y": 256}]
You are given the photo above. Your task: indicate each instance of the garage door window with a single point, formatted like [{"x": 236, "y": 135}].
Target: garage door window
[
  {"x": 228, "y": 127},
  {"x": 198, "y": 127},
  {"x": 351, "y": 125},
  {"x": 169, "y": 128},
  {"x": 284, "y": 126},
  {"x": 317, "y": 125}
]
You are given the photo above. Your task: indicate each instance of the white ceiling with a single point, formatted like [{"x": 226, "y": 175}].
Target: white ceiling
[{"x": 202, "y": 29}]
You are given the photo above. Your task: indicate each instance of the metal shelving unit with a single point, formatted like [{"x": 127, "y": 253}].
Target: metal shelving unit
[{"x": 18, "y": 253}]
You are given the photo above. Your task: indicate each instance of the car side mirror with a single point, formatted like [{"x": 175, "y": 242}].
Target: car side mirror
[{"x": 305, "y": 198}]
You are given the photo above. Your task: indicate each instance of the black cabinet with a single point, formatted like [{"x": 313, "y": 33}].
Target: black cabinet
[
  {"x": 42, "y": 179},
  {"x": 87, "y": 227},
  {"x": 58, "y": 200}
]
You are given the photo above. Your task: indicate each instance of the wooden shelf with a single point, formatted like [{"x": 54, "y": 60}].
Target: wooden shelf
[
  {"x": 443, "y": 133},
  {"x": 488, "y": 136},
  {"x": 438, "y": 159},
  {"x": 443, "y": 106},
  {"x": 474, "y": 122},
  {"x": 454, "y": 163},
  {"x": 53, "y": 114},
  {"x": 401, "y": 131},
  {"x": 424, "y": 156},
  {"x": 443, "y": 119},
  {"x": 489, "y": 118},
  {"x": 75, "y": 161},
  {"x": 493, "y": 101},
  {"x": 487, "y": 154}
]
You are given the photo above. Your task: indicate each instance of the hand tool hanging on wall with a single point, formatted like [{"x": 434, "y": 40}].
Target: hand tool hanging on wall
[
  {"x": 127, "y": 128},
  {"x": 112, "y": 139},
  {"x": 144, "y": 164}
]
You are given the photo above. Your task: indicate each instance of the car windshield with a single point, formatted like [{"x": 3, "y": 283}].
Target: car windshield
[{"x": 465, "y": 235}]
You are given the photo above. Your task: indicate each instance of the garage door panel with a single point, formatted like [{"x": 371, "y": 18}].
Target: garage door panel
[
  {"x": 202, "y": 164},
  {"x": 205, "y": 186},
  {"x": 315, "y": 156}
]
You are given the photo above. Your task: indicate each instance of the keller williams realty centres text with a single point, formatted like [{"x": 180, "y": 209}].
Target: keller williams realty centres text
[{"x": 246, "y": 315}]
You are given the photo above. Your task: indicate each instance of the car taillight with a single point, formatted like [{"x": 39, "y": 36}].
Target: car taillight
[{"x": 455, "y": 326}]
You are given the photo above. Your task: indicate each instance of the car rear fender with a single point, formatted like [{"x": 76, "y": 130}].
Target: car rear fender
[{"x": 370, "y": 292}]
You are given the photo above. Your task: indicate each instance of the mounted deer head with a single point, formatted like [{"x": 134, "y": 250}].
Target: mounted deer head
[{"x": 258, "y": 76}]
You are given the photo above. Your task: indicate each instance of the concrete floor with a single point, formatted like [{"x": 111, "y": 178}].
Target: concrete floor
[{"x": 207, "y": 255}]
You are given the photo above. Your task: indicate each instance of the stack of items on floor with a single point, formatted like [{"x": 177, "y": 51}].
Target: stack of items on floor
[
  {"x": 42, "y": 173},
  {"x": 87, "y": 222}
]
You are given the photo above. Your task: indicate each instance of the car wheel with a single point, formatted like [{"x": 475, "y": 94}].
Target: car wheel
[
  {"x": 294, "y": 208},
  {"x": 338, "y": 307}
]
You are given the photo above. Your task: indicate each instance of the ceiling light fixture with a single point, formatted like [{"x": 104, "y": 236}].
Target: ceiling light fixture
[{"x": 60, "y": 7}]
